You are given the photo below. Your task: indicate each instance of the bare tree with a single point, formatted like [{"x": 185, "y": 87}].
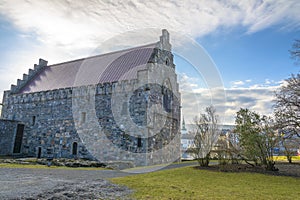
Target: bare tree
[
  {"x": 227, "y": 148},
  {"x": 234, "y": 147},
  {"x": 287, "y": 107},
  {"x": 206, "y": 135},
  {"x": 295, "y": 52},
  {"x": 221, "y": 149},
  {"x": 290, "y": 146}
]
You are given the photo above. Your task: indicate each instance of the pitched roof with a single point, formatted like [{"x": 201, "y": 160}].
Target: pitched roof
[{"x": 110, "y": 67}]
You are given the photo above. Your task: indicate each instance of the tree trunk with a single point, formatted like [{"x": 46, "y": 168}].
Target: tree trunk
[
  {"x": 271, "y": 166},
  {"x": 289, "y": 158},
  {"x": 204, "y": 162}
]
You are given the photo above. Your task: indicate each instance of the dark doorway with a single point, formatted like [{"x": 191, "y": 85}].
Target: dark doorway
[
  {"x": 19, "y": 138},
  {"x": 74, "y": 148},
  {"x": 39, "y": 153}
]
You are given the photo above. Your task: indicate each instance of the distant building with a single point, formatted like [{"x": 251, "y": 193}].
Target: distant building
[{"x": 187, "y": 141}]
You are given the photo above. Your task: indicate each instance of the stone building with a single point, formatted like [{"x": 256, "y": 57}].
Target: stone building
[{"x": 119, "y": 106}]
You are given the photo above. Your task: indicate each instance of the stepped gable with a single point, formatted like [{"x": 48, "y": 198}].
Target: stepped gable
[{"x": 105, "y": 68}]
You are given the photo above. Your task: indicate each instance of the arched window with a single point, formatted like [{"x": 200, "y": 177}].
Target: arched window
[{"x": 167, "y": 61}]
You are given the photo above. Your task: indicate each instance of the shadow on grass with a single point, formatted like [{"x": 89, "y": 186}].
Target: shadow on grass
[{"x": 284, "y": 169}]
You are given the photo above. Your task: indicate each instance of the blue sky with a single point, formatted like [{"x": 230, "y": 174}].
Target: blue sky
[
  {"x": 248, "y": 41},
  {"x": 258, "y": 56}
]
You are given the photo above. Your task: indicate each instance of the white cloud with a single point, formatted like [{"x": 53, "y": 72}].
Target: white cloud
[
  {"x": 71, "y": 29},
  {"x": 237, "y": 83},
  {"x": 268, "y": 81},
  {"x": 259, "y": 98},
  {"x": 77, "y": 24}
]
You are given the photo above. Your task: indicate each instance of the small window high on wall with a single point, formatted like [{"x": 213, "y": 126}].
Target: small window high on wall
[
  {"x": 33, "y": 120},
  {"x": 83, "y": 117}
]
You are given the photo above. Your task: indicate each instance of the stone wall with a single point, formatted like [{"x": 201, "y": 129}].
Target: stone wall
[
  {"x": 134, "y": 121},
  {"x": 7, "y": 136},
  {"x": 53, "y": 119},
  {"x": 48, "y": 122}
]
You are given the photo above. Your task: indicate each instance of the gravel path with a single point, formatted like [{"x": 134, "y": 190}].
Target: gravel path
[
  {"x": 95, "y": 189},
  {"x": 16, "y": 183}
]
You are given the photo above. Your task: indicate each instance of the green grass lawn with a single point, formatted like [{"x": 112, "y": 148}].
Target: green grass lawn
[{"x": 190, "y": 183}]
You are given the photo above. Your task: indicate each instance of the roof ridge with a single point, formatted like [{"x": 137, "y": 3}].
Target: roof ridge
[{"x": 105, "y": 54}]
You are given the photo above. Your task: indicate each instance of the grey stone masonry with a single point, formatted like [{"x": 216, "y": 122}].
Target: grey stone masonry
[
  {"x": 134, "y": 121},
  {"x": 48, "y": 122},
  {"x": 8, "y": 130}
]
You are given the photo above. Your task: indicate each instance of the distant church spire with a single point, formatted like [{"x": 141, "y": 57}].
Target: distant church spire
[{"x": 183, "y": 125}]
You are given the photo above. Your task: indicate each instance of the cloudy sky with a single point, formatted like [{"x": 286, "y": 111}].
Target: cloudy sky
[{"x": 247, "y": 42}]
